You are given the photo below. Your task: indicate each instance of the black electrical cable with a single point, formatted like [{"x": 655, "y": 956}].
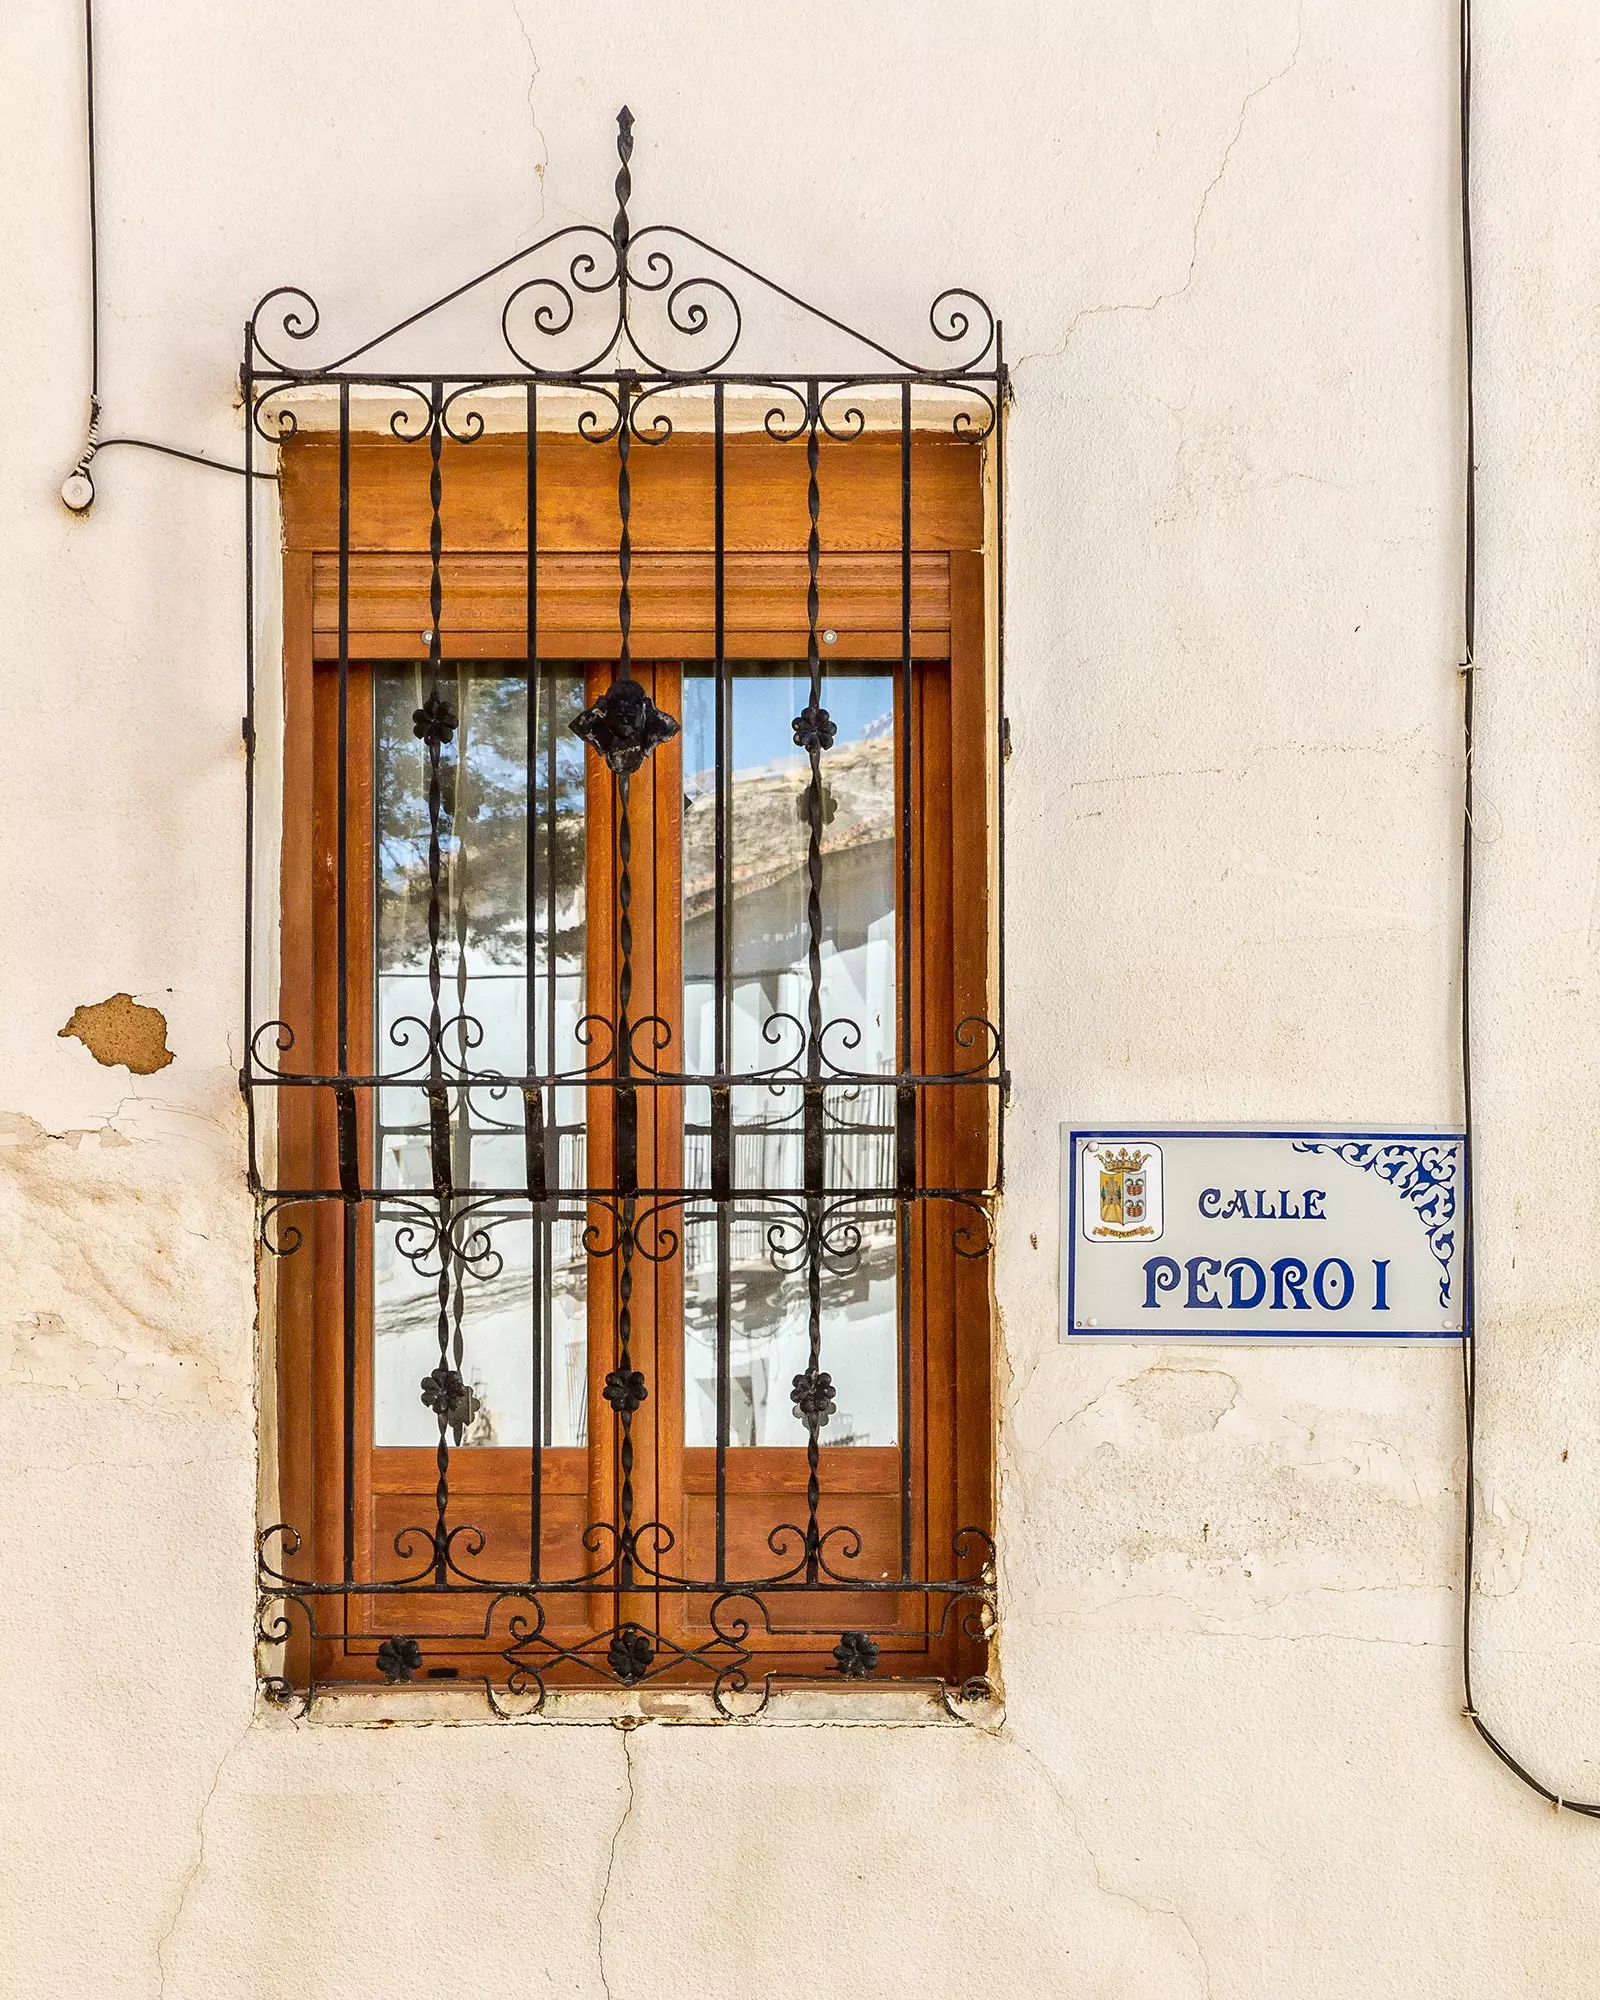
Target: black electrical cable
[
  {"x": 1469, "y": 1363},
  {"x": 94, "y": 216},
  {"x": 77, "y": 489}
]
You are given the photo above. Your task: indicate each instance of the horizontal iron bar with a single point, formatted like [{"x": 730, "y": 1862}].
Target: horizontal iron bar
[
  {"x": 285, "y": 1590},
  {"x": 635, "y": 1080},
  {"x": 887, "y": 1195},
  {"x": 272, "y": 382}
]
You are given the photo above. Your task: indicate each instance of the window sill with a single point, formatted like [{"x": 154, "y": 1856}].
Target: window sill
[{"x": 803, "y": 1707}]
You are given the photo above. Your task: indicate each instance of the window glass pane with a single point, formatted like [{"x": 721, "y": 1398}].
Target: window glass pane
[
  {"x": 765, "y": 1013},
  {"x": 517, "y": 1292}
]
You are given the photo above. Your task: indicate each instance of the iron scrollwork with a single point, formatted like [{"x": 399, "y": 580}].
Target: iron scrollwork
[{"x": 640, "y": 331}]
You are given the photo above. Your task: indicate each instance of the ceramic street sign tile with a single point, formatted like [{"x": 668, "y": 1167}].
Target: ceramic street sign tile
[{"x": 1186, "y": 1233}]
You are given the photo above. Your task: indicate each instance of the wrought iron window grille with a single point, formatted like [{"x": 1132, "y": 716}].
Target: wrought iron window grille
[{"x": 600, "y": 328}]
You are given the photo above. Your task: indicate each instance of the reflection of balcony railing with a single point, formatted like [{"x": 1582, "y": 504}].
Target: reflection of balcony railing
[
  {"x": 859, "y": 1156},
  {"x": 859, "y": 1142}
]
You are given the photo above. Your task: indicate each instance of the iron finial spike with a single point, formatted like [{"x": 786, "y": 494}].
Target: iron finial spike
[{"x": 619, "y": 228}]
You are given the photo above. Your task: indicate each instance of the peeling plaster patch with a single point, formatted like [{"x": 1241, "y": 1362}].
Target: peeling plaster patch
[
  {"x": 42, "y": 1350},
  {"x": 123, "y": 1276},
  {"x": 18, "y": 1129},
  {"x": 1183, "y": 1402},
  {"x": 119, "y": 1031},
  {"x": 1502, "y": 1547},
  {"x": 1247, "y": 1503}
]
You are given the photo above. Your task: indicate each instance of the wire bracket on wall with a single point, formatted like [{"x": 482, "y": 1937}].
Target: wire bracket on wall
[{"x": 77, "y": 489}]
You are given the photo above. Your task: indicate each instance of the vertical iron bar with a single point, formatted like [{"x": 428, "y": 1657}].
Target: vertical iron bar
[
  {"x": 438, "y": 1096},
  {"x": 720, "y": 971},
  {"x": 627, "y": 1109},
  {"x": 247, "y": 1057},
  {"x": 627, "y": 1120},
  {"x": 344, "y": 1099},
  {"x": 903, "y": 1304},
  {"x": 907, "y": 766},
  {"x": 533, "y": 1099},
  {"x": 532, "y": 1096},
  {"x": 815, "y": 1164},
  {"x": 344, "y": 1096},
  {"x": 552, "y": 1134},
  {"x": 1001, "y": 728},
  {"x": 348, "y": 1213},
  {"x": 722, "y": 992},
  {"x": 344, "y": 730},
  {"x": 906, "y": 1094},
  {"x": 461, "y": 1138},
  {"x": 627, "y": 1171},
  {"x": 620, "y": 233}
]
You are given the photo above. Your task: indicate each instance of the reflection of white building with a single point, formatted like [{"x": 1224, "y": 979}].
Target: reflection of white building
[
  {"x": 770, "y": 943},
  {"x": 529, "y": 1298},
  {"x": 527, "y": 1307}
]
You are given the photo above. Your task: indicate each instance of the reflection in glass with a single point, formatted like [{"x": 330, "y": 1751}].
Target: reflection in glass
[
  {"x": 764, "y": 1023},
  {"x": 524, "y": 1295}
]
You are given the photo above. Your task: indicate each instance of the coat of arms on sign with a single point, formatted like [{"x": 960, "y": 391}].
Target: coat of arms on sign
[{"x": 1121, "y": 1191}]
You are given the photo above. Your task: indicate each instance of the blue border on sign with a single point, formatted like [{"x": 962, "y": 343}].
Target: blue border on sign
[{"x": 1188, "y": 1336}]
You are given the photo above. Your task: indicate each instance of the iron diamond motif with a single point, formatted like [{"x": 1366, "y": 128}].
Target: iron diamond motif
[{"x": 624, "y": 726}]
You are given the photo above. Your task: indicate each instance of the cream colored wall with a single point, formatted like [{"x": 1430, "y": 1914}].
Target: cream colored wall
[{"x": 1223, "y": 239}]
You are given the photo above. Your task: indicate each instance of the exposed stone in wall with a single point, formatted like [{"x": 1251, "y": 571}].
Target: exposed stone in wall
[{"x": 121, "y": 1031}]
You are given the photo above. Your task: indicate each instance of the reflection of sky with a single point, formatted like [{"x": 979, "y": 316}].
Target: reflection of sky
[{"x": 766, "y": 702}]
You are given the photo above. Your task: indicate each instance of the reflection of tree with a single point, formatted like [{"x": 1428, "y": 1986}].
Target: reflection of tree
[{"x": 484, "y": 814}]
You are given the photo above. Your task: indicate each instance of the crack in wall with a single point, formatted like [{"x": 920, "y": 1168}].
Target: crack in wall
[
  {"x": 1177, "y": 291},
  {"x": 543, "y": 159},
  {"x": 627, "y": 1729},
  {"x": 192, "y": 1873},
  {"x": 1075, "y": 1826}
]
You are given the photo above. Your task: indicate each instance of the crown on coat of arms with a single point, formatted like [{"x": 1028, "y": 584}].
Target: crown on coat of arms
[{"x": 1123, "y": 1161}]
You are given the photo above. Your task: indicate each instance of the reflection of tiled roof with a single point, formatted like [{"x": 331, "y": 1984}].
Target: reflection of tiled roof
[{"x": 769, "y": 819}]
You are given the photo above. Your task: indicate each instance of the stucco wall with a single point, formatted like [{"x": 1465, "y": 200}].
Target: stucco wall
[{"x": 1223, "y": 238}]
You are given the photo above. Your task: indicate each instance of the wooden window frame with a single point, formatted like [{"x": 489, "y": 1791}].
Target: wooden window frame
[{"x": 379, "y": 596}]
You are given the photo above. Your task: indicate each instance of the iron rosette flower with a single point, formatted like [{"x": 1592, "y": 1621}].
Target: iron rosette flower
[
  {"x": 812, "y": 1397},
  {"x": 450, "y": 1398},
  {"x": 625, "y": 1390},
  {"x": 624, "y": 726},
  {"x": 399, "y": 1659},
  {"x": 856, "y": 1655},
  {"x": 630, "y": 1654}
]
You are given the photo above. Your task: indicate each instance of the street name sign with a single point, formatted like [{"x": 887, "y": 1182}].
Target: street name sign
[{"x": 1195, "y": 1233}]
